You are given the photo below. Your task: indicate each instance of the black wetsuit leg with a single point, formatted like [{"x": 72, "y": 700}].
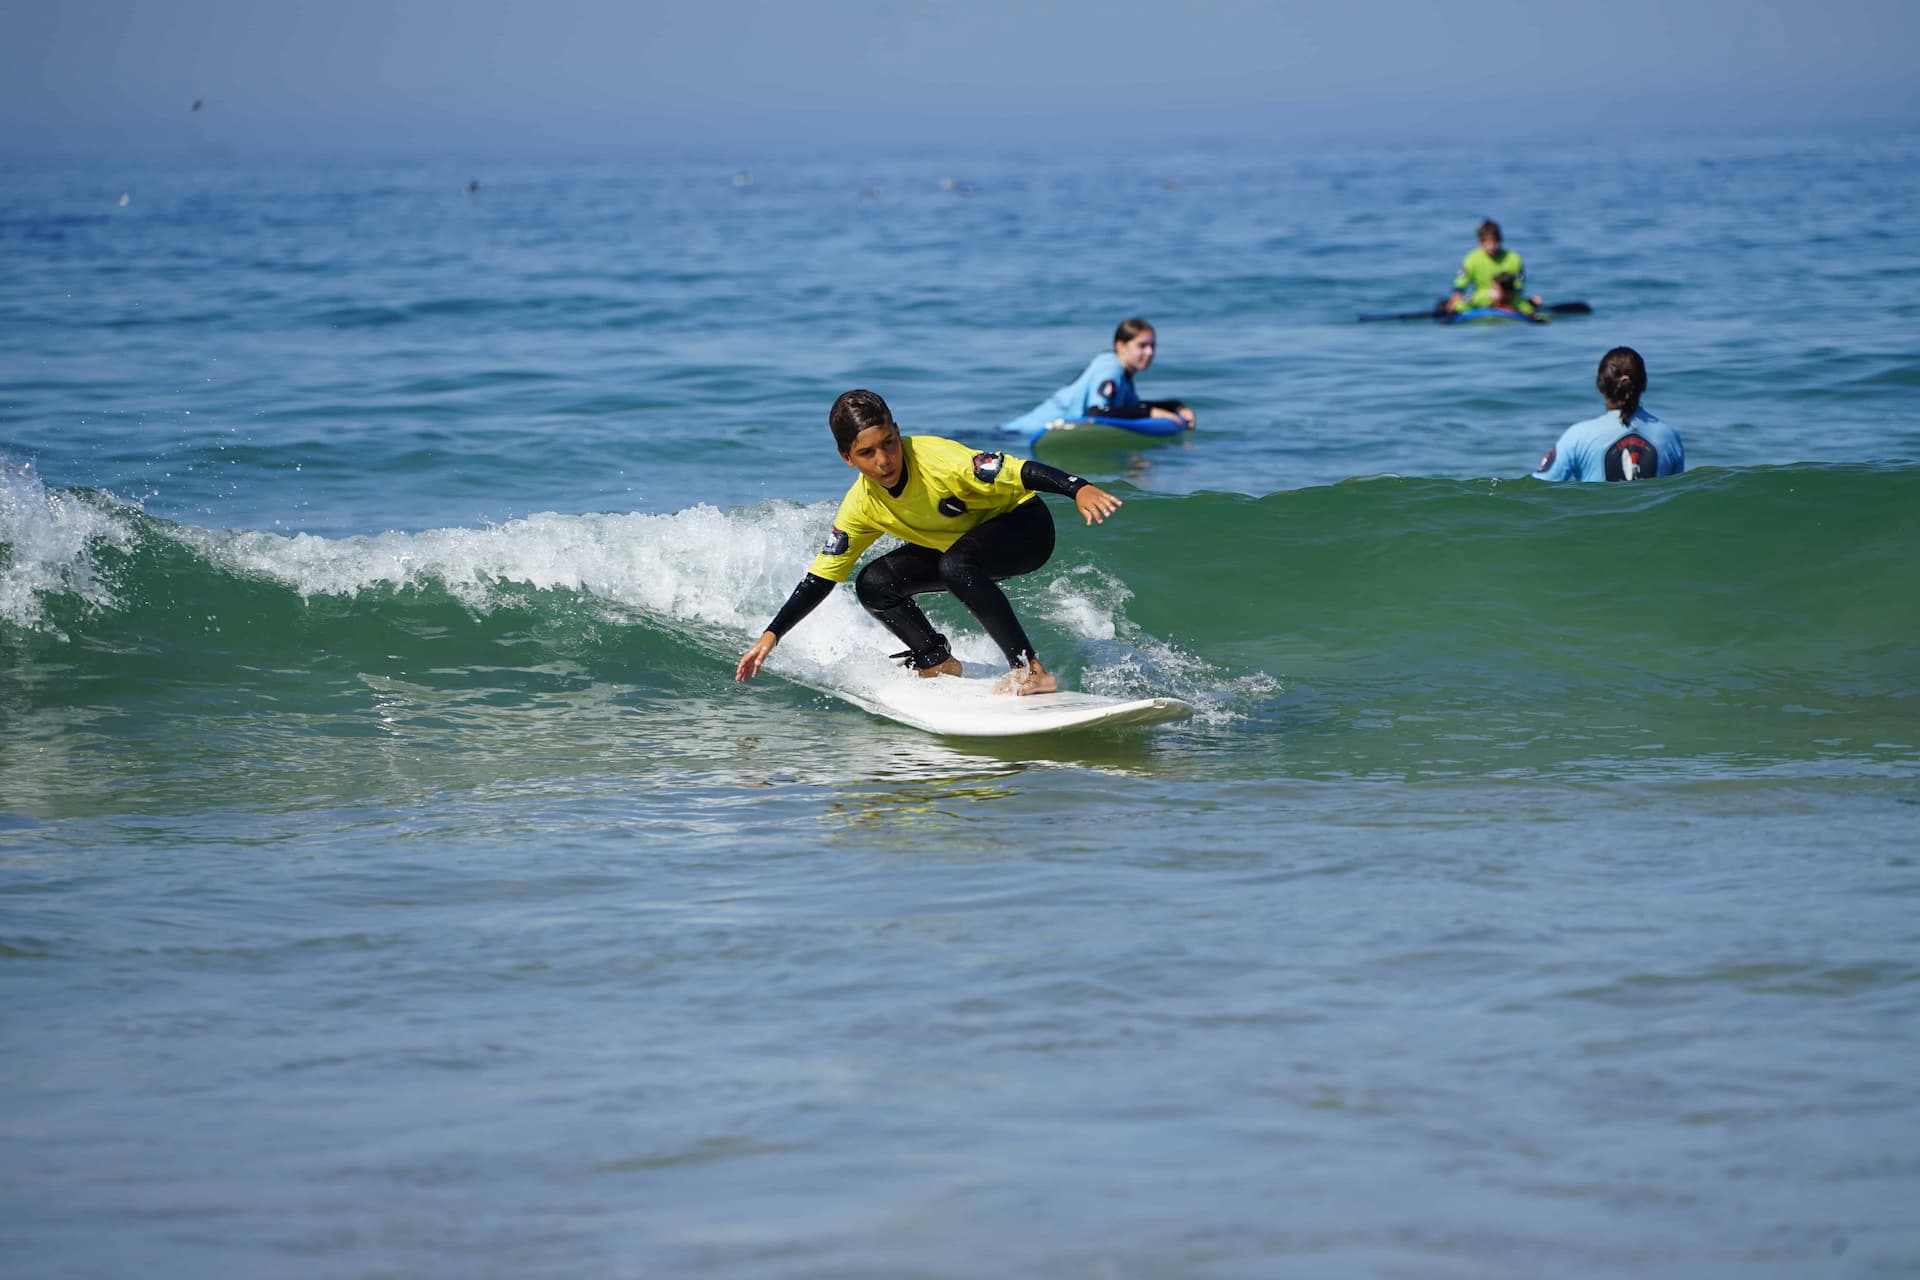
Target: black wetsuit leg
[{"x": 1004, "y": 547}]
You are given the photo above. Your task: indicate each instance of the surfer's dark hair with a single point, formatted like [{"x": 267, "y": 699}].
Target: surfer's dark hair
[
  {"x": 1622, "y": 379},
  {"x": 1131, "y": 328},
  {"x": 853, "y": 413},
  {"x": 1489, "y": 228}
]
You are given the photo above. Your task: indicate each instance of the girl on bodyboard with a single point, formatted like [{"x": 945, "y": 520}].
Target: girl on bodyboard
[{"x": 1105, "y": 388}]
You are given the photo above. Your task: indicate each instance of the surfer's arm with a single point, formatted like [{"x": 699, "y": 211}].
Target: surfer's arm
[
  {"x": 1144, "y": 409},
  {"x": 805, "y": 599},
  {"x": 1558, "y": 464},
  {"x": 1171, "y": 409},
  {"x": 1116, "y": 398},
  {"x": 1095, "y": 504},
  {"x": 1041, "y": 478}
]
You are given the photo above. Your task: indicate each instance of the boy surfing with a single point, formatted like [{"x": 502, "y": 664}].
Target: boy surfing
[{"x": 969, "y": 520}]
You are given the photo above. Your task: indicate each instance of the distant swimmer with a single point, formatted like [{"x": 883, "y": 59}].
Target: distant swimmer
[
  {"x": 1105, "y": 388},
  {"x": 969, "y": 519},
  {"x": 196, "y": 105},
  {"x": 1474, "y": 286},
  {"x": 1624, "y": 443}
]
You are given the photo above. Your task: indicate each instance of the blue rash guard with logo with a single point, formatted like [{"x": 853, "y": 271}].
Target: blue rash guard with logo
[
  {"x": 1604, "y": 448},
  {"x": 1105, "y": 389}
]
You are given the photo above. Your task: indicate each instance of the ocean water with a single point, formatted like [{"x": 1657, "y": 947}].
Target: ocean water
[{"x": 393, "y": 881}]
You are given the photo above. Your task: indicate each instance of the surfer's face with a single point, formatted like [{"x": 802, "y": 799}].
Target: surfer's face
[
  {"x": 1489, "y": 245},
  {"x": 875, "y": 454},
  {"x": 1136, "y": 352}
]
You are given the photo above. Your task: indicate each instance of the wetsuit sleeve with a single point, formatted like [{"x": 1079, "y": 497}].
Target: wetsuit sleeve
[
  {"x": 805, "y": 599},
  {"x": 1041, "y": 478},
  {"x": 1464, "y": 282},
  {"x": 1103, "y": 397},
  {"x": 1110, "y": 392},
  {"x": 1558, "y": 464},
  {"x": 1138, "y": 409}
]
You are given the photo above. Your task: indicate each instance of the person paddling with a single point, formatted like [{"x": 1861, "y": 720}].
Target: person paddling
[
  {"x": 1105, "y": 388},
  {"x": 1474, "y": 286},
  {"x": 1624, "y": 443},
  {"x": 970, "y": 519}
]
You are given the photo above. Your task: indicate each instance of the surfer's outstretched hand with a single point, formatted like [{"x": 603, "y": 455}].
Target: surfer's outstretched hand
[
  {"x": 750, "y": 661},
  {"x": 1095, "y": 503}
]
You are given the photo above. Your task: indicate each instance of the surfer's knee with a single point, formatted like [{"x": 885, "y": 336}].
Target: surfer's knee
[
  {"x": 876, "y": 586},
  {"x": 959, "y": 567}
]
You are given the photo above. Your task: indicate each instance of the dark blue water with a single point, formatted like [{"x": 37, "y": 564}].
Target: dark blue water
[{"x": 393, "y": 880}]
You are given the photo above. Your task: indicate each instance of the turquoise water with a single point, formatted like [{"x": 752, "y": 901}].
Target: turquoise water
[{"x": 393, "y": 880}]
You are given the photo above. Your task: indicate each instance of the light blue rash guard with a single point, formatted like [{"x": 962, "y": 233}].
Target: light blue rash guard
[
  {"x": 1603, "y": 448},
  {"x": 1106, "y": 384}
]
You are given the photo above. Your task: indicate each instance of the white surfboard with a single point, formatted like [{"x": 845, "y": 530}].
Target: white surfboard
[{"x": 967, "y": 707}]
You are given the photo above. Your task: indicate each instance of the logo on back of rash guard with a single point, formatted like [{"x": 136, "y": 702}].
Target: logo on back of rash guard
[
  {"x": 836, "y": 544},
  {"x": 986, "y": 467},
  {"x": 1548, "y": 460}
]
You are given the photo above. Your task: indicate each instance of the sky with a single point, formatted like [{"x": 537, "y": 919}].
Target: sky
[{"x": 594, "y": 67}]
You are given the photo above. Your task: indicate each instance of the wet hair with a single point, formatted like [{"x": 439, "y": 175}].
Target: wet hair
[
  {"x": 1129, "y": 329},
  {"x": 1489, "y": 228},
  {"x": 1509, "y": 284},
  {"x": 1622, "y": 379},
  {"x": 853, "y": 413}
]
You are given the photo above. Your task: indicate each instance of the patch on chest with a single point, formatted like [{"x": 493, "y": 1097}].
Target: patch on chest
[{"x": 951, "y": 506}]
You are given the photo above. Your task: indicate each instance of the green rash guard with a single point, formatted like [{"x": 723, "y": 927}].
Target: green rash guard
[
  {"x": 950, "y": 489},
  {"x": 1477, "y": 271}
]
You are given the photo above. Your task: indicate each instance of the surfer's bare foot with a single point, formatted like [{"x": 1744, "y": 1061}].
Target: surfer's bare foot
[
  {"x": 951, "y": 667},
  {"x": 1030, "y": 679}
]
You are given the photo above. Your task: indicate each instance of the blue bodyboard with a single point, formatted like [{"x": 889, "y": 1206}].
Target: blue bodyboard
[
  {"x": 1491, "y": 314},
  {"x": 1116, "y": 433}
]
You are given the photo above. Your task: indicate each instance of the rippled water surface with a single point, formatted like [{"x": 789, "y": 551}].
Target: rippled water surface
[{"x": 394, "y": 882}]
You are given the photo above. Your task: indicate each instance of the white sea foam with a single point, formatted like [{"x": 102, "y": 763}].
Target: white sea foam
[
  {"x": 714, "y": 577},
  {"x": 708, "y": 574},
  {"x": 49, "y": 541},
  {"x": 1126, "y": 662}
]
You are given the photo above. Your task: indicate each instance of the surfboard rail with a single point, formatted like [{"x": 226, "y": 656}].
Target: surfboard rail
[{"x": 968, "y": 707}]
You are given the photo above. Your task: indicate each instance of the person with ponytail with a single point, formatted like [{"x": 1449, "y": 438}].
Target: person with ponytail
[
  {"x": 1105, "y": 388},
  {"x": 1624, "y": 443}
]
